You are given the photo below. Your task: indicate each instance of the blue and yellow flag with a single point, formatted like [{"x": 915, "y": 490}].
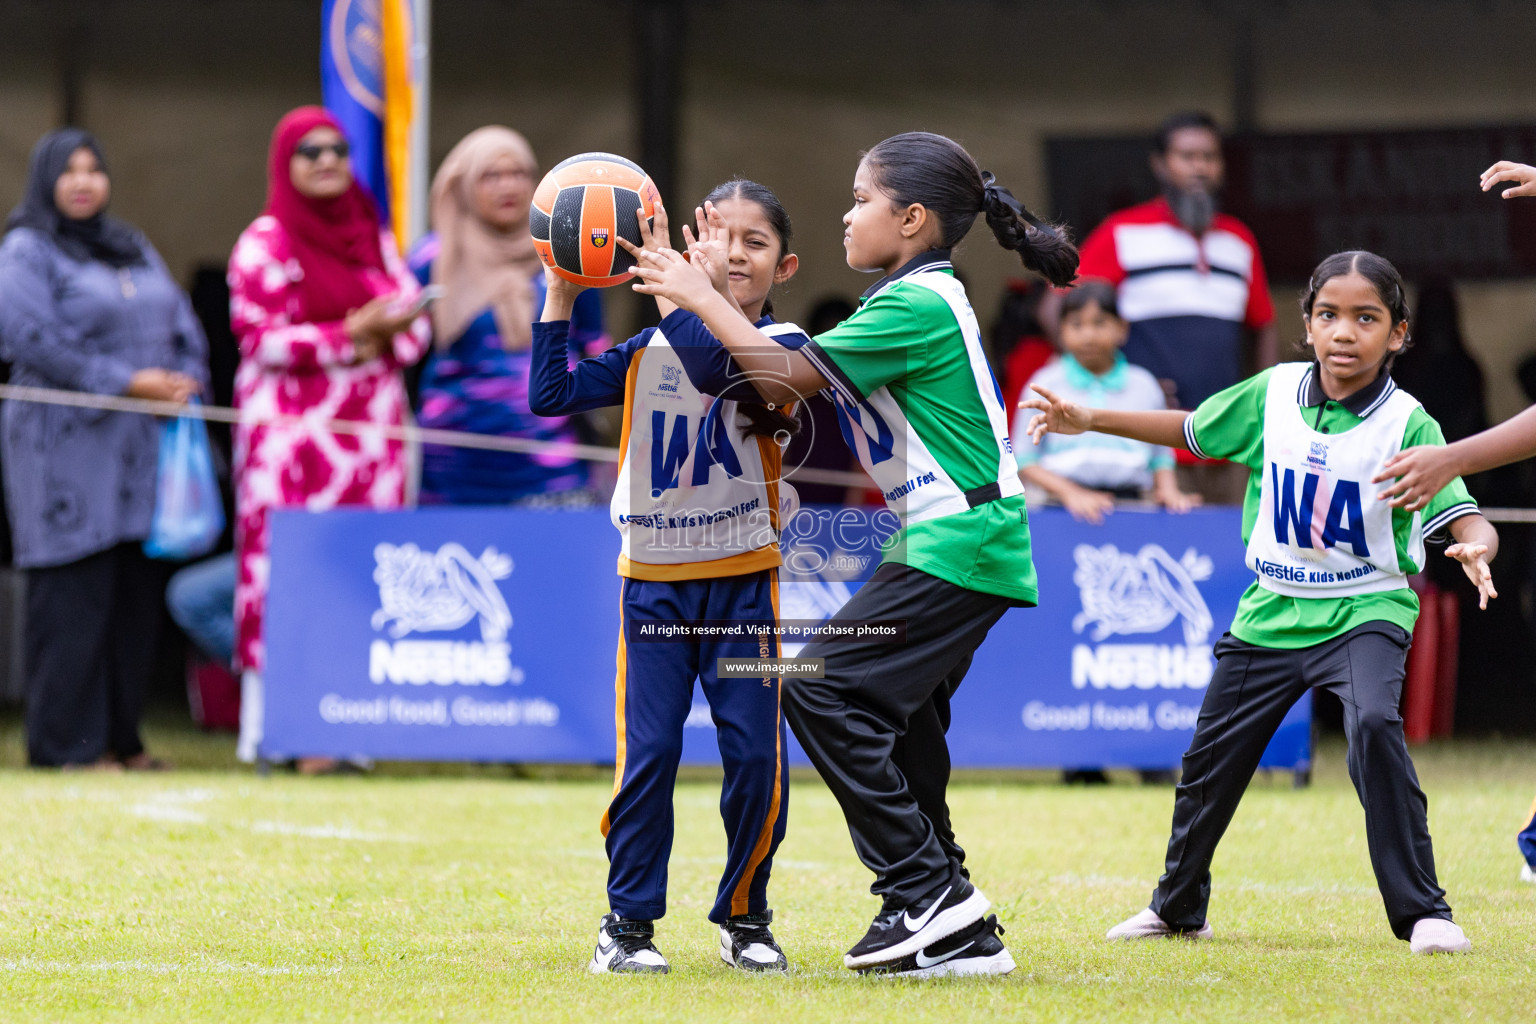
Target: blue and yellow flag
[{"x": 367, "y": 80}]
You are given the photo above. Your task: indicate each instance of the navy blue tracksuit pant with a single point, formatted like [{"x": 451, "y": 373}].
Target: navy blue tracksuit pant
[{"x": 653, "y": 691}]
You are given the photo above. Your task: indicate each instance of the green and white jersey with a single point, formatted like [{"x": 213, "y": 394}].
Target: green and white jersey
[
  {"x": 919, "y": 407},
  {"x": 1328, "y": 556}
]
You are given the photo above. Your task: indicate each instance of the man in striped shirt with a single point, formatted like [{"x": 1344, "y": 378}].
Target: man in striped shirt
[{"x": 1190, "y": 280}]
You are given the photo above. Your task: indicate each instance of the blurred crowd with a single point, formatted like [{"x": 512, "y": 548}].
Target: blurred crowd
[{"x": 316, "y": 319}]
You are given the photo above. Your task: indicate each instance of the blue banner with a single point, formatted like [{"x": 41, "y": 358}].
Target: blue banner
[
  {"x": 352, "y": 87},
  {"x": 490, "y": 635}
]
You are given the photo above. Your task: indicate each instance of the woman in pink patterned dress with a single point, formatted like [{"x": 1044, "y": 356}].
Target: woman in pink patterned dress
[{"x": 316, "y": 289}]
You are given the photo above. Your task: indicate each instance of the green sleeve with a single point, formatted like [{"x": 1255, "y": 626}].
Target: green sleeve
[
  {"x": 883, "y": 342},
  {"x": 1230, "y": 424},
  {"x": 1454, "y": 500}
]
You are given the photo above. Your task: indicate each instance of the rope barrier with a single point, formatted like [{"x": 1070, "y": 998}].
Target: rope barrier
[
  {"x": 468, "y": 439},
  {"x": 407, "y": 433}
]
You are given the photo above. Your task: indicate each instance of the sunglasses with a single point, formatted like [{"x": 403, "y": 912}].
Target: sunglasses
[{"x": 311, "y": 152}]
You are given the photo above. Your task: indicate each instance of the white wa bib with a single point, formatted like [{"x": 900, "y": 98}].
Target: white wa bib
[
  {"x": 1320, "y": 531},
  {"x": 693, "y": 486}
]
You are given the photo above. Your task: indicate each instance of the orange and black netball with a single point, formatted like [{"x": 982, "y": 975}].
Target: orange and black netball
[{"x": 580, "y": 209}]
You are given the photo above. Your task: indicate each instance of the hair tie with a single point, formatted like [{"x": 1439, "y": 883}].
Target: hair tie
[{"x": 995, "y": 199}]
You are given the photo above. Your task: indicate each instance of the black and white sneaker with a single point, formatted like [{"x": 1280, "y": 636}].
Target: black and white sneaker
[
  {"x": 625, "y": 947},
  {"x": 900, "y": 931},
  {"x": 747, "y": 943},
  {"x": 970, "y": 952}
]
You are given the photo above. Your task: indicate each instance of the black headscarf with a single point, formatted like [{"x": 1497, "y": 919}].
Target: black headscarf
[{"x": 99, "y": 237}]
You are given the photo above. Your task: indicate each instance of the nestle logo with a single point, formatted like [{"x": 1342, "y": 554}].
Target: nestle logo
[
  {"x": 1318, "y": 455},
  {"x": 671, "y": 377}
]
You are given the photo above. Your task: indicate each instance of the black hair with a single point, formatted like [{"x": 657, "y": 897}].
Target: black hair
[
  {"x": 1094, "y": 290},
  {"x": 937, "y": 173},
  {"x": 1178, "y": 122},
  {"x": 1376, "y": 269},
  {"x": 762, "y": 421},
  {"x": 763, "y": 196}
]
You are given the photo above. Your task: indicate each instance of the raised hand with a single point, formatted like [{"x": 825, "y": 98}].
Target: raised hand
[
  {"x": 709, "y": 247},
  {"x": 666, "y": 274},
  {"x": 1055, "y": 415},
  {"x": 1523, "y": 175},
  {"x": 1474, "y": 562},
  {"x": 1417, "y": 474},
  {"x": 655, "y": 231}
]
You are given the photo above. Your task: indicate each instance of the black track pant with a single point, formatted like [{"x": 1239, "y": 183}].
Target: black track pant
[
  {"x": 92, "y": 628},
  {"x": 874, "y": 726},
  {"x": 1250, "y": 692}
]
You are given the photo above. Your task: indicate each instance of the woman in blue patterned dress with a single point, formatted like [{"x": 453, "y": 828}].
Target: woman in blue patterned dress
[{"x": 476, "y": 378}]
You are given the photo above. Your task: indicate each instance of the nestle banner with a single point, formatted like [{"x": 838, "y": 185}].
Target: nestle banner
[{"x": 490, "y": 635}]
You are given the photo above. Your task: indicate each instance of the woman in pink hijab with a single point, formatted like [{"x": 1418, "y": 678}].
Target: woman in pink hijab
[{"x": 317, "y": 289}]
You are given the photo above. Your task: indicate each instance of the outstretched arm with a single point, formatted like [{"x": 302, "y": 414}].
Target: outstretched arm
[
  {"x": 1057, "y": 416},
  {"x": 780, "y": 375},
  {"x": 1420, "y": 472}
]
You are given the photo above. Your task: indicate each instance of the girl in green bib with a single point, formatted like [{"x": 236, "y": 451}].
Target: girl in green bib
[
  {"x": 920, "y": 408},
  {"x": 1330, "y": 606}
]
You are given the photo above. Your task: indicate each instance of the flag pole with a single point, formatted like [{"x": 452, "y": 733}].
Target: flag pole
[{"x": 420, "y": 179}]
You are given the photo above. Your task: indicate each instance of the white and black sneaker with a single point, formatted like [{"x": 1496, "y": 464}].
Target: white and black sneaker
[
  {"x": 747, "y": 943},
  {"x": 900, "y": 931},
  {"x": 624, "y": 946},
  {"x": 970, "y": 952}
]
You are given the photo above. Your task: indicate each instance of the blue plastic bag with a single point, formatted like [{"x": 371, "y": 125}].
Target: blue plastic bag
[{"x": 189, "y": 511}]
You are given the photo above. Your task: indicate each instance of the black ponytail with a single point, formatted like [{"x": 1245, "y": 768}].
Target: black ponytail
[{"x": 937, "y": 173}]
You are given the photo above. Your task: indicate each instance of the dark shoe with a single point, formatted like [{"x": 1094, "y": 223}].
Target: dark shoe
[
  {"x": 901, "y": 931},
  {"x": 624, "y": 946},
  {"x": 747, "y": 943},
  {"x": 972, "y": 951}
]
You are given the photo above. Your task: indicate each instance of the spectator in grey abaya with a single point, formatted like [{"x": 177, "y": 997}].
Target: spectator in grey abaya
[{"x": 86, "y": 305}]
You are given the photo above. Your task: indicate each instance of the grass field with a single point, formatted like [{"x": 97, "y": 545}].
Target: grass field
[{"x": 472, "y": 895}]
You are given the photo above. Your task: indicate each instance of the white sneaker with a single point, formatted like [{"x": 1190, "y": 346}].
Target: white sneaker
[
  {"x": 1526, "y": 874},
  {"x": 747, "y": 943},
  {"x": 624, "y": 947},
  {"x": 1437, "y": 935},
  {"x": 1147, "y": 925}
]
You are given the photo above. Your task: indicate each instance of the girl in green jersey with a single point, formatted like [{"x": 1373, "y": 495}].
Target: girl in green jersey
[{"x": 1330, "y": 606}]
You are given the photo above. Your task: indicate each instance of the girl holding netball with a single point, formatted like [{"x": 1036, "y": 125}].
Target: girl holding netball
[
  {"x": 920, "y": 407},
  {"x": 1331, "y": 606},
  {"x": 698, "y": 506}
]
